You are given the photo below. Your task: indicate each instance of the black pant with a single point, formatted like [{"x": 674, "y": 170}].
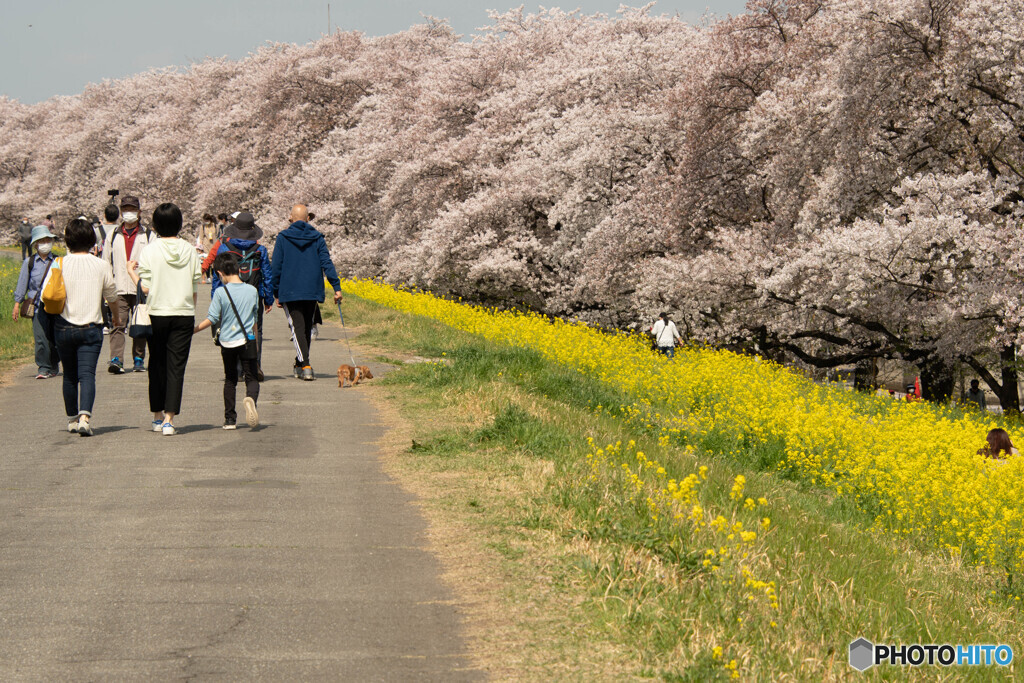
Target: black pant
[
  {"x": 168, "y": 355},
  {"x": 232, "y": 358},
  {"x": 302, "y": 315}
]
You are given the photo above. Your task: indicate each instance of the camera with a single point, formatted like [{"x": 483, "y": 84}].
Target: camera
[{"x": 113, "y": 193}]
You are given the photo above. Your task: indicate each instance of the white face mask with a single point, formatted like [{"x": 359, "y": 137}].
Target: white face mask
[
  {"x": 130, "y": 216},
  {"x": 44, "y": 248}
]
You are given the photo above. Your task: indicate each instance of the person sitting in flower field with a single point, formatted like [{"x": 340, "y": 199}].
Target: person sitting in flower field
[{"x": 999, "y": 446}]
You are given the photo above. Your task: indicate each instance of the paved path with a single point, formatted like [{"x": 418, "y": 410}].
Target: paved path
[{"x": 282, "y": 553}]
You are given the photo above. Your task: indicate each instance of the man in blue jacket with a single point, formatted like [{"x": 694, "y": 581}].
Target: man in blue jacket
[
  {"x": 242, "y": 238},
  {"x": 298, "y": 267}
]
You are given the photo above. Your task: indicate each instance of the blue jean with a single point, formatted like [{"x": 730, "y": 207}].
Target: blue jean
[
  {"x": 79, "y": 348},
  {"x": 669, "y": 351},
  {"x": 47, "y": 358}
]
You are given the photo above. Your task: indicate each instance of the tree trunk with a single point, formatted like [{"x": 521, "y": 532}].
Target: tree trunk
[
  {"x": 865, "y": 378},
  {"x": 937, "y": 380},
  {"x": 1009, "y": 399}
]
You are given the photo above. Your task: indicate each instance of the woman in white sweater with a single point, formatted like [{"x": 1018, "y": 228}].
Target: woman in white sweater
[
  {"x": 78, "y": 330},
  {"x": 168, "y": 271}
]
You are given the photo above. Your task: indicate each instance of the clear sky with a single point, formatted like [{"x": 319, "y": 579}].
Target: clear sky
[{"x": 56, "y": 47}]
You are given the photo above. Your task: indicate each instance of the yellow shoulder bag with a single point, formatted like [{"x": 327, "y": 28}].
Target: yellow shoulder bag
[{"x": 54, "y": 295}]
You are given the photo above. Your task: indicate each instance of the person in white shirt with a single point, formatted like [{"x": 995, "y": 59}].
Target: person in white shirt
[
  {"x": 168, "y": 272},
  {"x": 78, "y": 329},
  {"x": 666, "y": 335},
  {"x": 110, "y": 216},
  {"x": 125, "y": 243}
]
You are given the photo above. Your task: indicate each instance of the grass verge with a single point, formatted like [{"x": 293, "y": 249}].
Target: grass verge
[
  {"x": 573, "y": 565},
  {"x": 15, "y": 337}
]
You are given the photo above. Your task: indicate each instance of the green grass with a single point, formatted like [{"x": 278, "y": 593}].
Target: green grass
[
  {"x": 591, "y": 590},
  {"x": 15, "y": 337}
]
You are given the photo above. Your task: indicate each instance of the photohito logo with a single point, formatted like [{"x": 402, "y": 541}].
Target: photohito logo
[{"x": 864, "y": 654}]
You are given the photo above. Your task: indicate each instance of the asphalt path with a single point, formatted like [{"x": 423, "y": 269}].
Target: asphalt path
[{"x": 277, "y": 553}]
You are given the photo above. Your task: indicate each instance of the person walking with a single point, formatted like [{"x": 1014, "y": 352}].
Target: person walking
[
  {"x": 26, "y": 300},
  {"x": 78, "y": 329},
  {"x": 666, "y": 335},
  {"x": 205, "y": 241},
  {"x": 976, "y": 396},
  {"x": 111, "y": 214},
  {"x": 124, "y": 244},
  {"x": 25, "y": 237},
  {"x": 234, "y": 307},
  {"x": 168, "y": 272},
  {"x": 241, "y": 238},
  {"x": 298, "y": 267}
]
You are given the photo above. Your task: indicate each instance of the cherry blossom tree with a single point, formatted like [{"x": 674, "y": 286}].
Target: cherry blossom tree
[{"x": 831, "y": 182}]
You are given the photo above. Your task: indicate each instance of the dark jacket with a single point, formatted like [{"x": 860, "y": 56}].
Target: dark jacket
[
  {"x": 300, "y": 263},
  {"x": 239, "y": 246}
]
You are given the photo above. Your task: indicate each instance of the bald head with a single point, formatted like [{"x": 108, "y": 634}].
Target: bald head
[{"x": 299, "y": 213}]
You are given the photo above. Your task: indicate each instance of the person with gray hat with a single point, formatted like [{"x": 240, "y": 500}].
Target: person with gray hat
[
  {"x": 123, "y": 244},
  {"x": 241, "y": 238},
  {"x": 26, "y": 300}
]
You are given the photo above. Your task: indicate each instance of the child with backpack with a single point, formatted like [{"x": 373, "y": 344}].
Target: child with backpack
[
  {"x": 233, "y": 308},
  {"x": 241, "y": 238}
]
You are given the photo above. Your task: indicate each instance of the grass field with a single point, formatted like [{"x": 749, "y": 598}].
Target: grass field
[
  {"x": 15, "y": 337},
  {"x": 588, "y": 543}
]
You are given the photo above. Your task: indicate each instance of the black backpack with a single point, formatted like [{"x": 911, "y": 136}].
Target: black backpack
[{"x": 250, "y": 269}]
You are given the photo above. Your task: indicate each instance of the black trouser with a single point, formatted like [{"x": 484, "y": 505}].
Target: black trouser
[
  {"x": 168, "y": 355},
  {"x": 232, "y": 359},
  {"x": 26, "y": 250},
  {"x": 301, "y": 314}
]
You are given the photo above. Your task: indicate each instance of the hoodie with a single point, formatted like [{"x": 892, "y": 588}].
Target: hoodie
[
  {"x": 169, "y": 268},
  {"x": 300, "y": 263}
]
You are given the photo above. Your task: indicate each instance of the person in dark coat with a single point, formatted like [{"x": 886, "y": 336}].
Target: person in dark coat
[
  {"x": 242, "y": 239},
  {"x": 298, "y": 267}
]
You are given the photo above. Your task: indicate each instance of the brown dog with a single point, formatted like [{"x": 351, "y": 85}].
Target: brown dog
[
  {"x": 347, "y": 375},
  {"x": 353, "y": 375}
]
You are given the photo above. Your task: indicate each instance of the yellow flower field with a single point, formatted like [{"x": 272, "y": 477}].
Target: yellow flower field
[{"x": 912, "y": 466}]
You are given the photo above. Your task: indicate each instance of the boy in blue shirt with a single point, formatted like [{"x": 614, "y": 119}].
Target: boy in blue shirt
[{"x": 233, "y": 335}]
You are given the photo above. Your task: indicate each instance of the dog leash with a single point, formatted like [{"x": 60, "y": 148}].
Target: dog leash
[{"x": 344, "y": 333}]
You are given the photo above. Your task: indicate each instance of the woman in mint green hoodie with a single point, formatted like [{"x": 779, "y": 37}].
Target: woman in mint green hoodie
[{"x": 168, "y": 272}]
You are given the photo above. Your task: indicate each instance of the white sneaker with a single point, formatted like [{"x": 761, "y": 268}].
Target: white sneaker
[
  {"x": 168, "y": 429},
  {"x": 229, "y": 425},
  {"x": 252, "y": 418},
  {"x": 73, "y": 426},
  {"x": 84, "y": 428},
  {"x": 158, "y": 425}
]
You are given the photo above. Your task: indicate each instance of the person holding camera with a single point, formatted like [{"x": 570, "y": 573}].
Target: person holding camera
[{"x": 125, "y": 243}]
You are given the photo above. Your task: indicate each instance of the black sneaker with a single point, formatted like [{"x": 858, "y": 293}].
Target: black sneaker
[
  {"x": 115, "y": 367},
  {"x": 139, "y": 366}
]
